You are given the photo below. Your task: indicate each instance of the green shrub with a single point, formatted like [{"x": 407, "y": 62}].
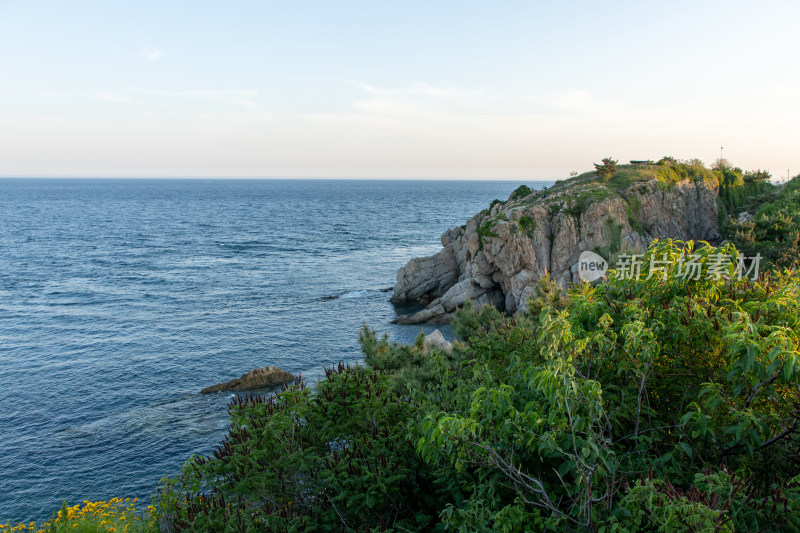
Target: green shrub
[
  {"x": 607, "y": 169},
  {"x": 632, "y": 206},
  {"x": 528, "y": 224},
  {"x": 520, "y": 192},
  {"x": 337, "y": 460},
  {"x": 774, "y": 229},
  {"x": 661, "y": 402},
  {"x": 485, "y": 231},
  {"x": 670, "y": 376}
]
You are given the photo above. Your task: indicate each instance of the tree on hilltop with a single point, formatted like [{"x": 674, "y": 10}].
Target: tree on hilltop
[
  {"x": 721, "y": 164},
  {"x": 607, "y": 169}
]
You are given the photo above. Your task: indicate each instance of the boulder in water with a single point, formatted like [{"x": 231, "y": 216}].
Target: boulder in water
[{"x": 258, "y": 378}]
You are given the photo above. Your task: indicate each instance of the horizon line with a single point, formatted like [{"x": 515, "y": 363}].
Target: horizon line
[{"x": 276, "y": 178}]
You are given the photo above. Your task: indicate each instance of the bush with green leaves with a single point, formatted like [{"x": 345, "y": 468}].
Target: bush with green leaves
[
  {"x": 662, "y": 377},
  {"x": 335, "y": 460},
  {"x": 774, "y": 229},
  {"x": 520, "y": 192},
  {"x": 486, "y": 230},
  {"x": 660, "y": 403},
  {"x": 528, "y": 224}
]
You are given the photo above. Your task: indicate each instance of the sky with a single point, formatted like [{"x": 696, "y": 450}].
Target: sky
[{"x": 414, "y": 89}]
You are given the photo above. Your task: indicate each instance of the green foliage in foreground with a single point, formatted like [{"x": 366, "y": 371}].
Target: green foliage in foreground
[
  {"x": 332, "y": 461},
  {"x": 661, "y": 404},
  {"x": 774, "y": 229}
]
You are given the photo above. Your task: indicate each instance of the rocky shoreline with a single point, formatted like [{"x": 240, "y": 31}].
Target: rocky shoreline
[{"x": 499, "y": 254}]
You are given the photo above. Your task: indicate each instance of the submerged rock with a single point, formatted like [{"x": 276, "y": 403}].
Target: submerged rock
[
  {"x": 498, "y": 255},
  {"x": 258, "y": 378}
]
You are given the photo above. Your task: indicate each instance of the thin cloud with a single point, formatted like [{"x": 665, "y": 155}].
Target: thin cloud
[
  {"x": 571, "y": 99},
  {"x": 422, "y": 89},
  {"x": 418, "y": 98},
  {"x": 394, "y": 106},
  {"x": 109, "y": 97},
  {"x": 196, "y": 93},
  {"x": 564, "y": 100},
  {"x": 239, "y": 97},
  {"x": 150, "y": 54}
]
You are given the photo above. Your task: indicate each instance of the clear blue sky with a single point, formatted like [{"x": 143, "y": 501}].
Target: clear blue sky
[{"x": 434, "y": 89}]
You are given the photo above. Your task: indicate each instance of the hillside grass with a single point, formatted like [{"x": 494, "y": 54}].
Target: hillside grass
[
  {"x": 573, "y": 196},
  {"x": 591, "y": 186}
]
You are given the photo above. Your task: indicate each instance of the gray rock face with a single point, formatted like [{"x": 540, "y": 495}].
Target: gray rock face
[
  {"x": 258, "y": 378},
  {"x": 686, "y": 211},
  {"x": 426, "y": 277},
  {"x": 436, "y": 341},
  {"x": 498, "y": 256}
]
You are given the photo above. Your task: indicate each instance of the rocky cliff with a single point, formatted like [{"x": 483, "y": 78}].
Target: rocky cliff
[{"x": 498, "y": 255}]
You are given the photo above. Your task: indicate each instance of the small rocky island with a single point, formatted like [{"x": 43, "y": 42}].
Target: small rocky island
[
  {"x": 258, "y": 378},
  {"x": 500, "y": 253}
]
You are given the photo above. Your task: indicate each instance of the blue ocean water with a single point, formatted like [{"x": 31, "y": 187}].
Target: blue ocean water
[{"x": 121, "y": 299}]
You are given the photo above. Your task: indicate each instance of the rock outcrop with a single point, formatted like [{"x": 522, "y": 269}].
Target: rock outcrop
[
  {"x": 258, "y": 378},
  {"x": 498, "y": 255},
  {"x": 436, "y": 341}
]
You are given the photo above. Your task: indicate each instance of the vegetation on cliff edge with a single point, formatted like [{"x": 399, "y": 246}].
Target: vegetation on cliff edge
[
  {"x": 639, "y": 404},
  {"x": 661, "y": 404}
]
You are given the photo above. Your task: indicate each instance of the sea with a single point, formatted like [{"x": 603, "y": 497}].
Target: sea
[{"x": 120, "y": 299}]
